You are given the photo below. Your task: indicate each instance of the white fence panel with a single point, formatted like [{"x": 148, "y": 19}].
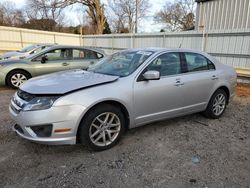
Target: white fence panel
[
  {"x": 15, "y": 38},
  {"x": 230, "y": 47}
]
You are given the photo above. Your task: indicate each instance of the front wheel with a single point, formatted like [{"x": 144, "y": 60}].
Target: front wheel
[
  {"x": 16, "y": 78},
  {"x": 102, "y": 127},
  {"x": 216, "y": 105}
]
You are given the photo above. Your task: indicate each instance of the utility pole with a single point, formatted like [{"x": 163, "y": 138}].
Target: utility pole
[{"x": 136, "y": 15}]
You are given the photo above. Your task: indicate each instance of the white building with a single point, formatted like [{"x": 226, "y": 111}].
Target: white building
[{"x": 222, "y": 14}]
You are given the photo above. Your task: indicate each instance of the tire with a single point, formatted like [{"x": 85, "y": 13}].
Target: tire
[
  {"x": 17, "y": 77},
  {"x": 97, "y": 133},
  {"x": 214, "y": 111}
]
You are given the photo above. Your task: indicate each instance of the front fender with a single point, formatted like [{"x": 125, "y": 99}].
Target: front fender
[
  {"x": 93, "y": 96},
  {"x": 26, "y": 67}
]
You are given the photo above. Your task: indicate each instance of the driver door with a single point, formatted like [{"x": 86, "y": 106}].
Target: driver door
[
  {"x": 159, "y": 99},
  {"x": 56, "y": 60}
]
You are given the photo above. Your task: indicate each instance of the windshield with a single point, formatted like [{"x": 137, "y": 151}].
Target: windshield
[
  {"x": 122, "y": 63},
  {"x": 28, "y": 48}
]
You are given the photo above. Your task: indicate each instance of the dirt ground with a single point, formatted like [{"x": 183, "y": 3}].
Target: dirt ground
[{"x": 190, "y": 151}]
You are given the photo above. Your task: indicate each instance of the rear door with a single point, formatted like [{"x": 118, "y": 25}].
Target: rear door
[
  {"x": 199, "y": 80},
  {"x": 83, "y": 58}
]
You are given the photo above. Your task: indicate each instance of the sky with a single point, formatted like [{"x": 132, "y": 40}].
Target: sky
[{"x": 147, "y": 24}]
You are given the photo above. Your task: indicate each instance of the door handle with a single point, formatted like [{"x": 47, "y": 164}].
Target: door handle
[
  {"x": 65, "y": 64},
  {"x": 178, "y": 83},
  {"x": 214, "y": 77}
]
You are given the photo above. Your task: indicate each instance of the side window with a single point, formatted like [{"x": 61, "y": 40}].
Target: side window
[
  {"x": 57, "y": 54},
  {"x": 79, "y": 54},
  {"x": 85, "y": 54},
  {"x": 167, "y": 64},
  {"x": 90, "y": 54},
  {"x": 37, "y": 50},
  {"x": 197, "y": 62},
  {"x": 211, "y": 66},
  {"x": 99, "y": 56}
]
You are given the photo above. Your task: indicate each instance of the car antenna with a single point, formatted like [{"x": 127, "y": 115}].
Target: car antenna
[{"x": 181, "y": 42}]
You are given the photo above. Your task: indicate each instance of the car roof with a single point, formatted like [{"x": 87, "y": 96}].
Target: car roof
[
  {"x": 158, "y": 49},
  {"x": 78, "y": 47},
  {"x": 44, "y": 44},
  {"x": 53, "y": 47}
]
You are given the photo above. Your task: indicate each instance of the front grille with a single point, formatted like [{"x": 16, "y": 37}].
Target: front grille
[{"x": 25, "y": 96}]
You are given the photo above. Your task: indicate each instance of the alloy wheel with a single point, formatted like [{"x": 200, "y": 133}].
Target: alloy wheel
[
  {"x": 104, "y": 129},
  {"x": 219, "y": 104}
]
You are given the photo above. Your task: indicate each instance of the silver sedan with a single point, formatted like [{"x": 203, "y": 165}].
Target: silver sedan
[{"x": 125, "y": 90}]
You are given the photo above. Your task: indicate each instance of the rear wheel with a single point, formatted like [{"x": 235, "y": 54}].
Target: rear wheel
[
  {"x": 102, "y": 127},
  {"x": 16, "y": 78},
  {"x": 216, "y": 105}
]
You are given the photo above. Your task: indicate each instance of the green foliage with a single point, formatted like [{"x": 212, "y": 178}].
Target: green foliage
[{"x": 106, "y": 28}]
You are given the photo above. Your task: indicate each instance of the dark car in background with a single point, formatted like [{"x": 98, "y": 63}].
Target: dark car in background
[{"x": 56, "y": 58}]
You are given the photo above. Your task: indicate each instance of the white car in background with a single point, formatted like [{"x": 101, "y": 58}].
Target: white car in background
[{"x": 23, "y": 53}]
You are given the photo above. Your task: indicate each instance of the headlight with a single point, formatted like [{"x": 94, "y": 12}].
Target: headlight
[{"x": 40, "y": 103}]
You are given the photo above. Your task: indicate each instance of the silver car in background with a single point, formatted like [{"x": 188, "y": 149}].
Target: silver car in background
[
  {"x": 56, "y": 58},
  {"x": 128, "y": 89},
  {"x": 25, "y": 52}
]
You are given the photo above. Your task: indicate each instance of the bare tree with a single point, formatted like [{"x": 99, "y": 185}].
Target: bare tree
[
  {"x": 123, "y": 13},
  {"x": 179, "y": 15},
  {"x": 10, "y": 15},
  {"x": 46, "y": 12},
  {"x": 85, "y": 22},
  {"x": 95, "y": 11}
]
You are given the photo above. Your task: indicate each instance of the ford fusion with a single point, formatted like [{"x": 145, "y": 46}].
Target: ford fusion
[{"x": 125, "y": 90}]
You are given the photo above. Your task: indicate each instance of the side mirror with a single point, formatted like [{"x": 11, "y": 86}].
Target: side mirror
[
  {"x": 44, "y": 59},
  {"x": 151, "y": 75}
]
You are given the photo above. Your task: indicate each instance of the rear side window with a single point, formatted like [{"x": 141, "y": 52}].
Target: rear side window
[
  {"x": 197, "y": 62},
  {"x": 90, "y": 54},
  {"x": 78, "y": 54},
  {"x": 99, "y": 56},
  {"x": 86, "y": 54}
]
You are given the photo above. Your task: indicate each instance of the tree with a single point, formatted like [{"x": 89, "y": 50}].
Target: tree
[
  {"x": 177, "y": 16},
  {"x": 46, "y": 12},
  {"x": 123, "y": 13},
  {"x": 10, "y": 15},
  {"x": 41, "y": 24},
  {"x": 95, "y": 11},
  {"x": 106, "y": 28}
]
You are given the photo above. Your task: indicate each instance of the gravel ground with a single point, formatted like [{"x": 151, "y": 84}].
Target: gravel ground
[{"x": 190, "y": 151}]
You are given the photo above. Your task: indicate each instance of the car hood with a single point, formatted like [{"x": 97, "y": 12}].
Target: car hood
[
  {"x": 11, "y": 54},
  {"x": 65, "y": 82}
]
